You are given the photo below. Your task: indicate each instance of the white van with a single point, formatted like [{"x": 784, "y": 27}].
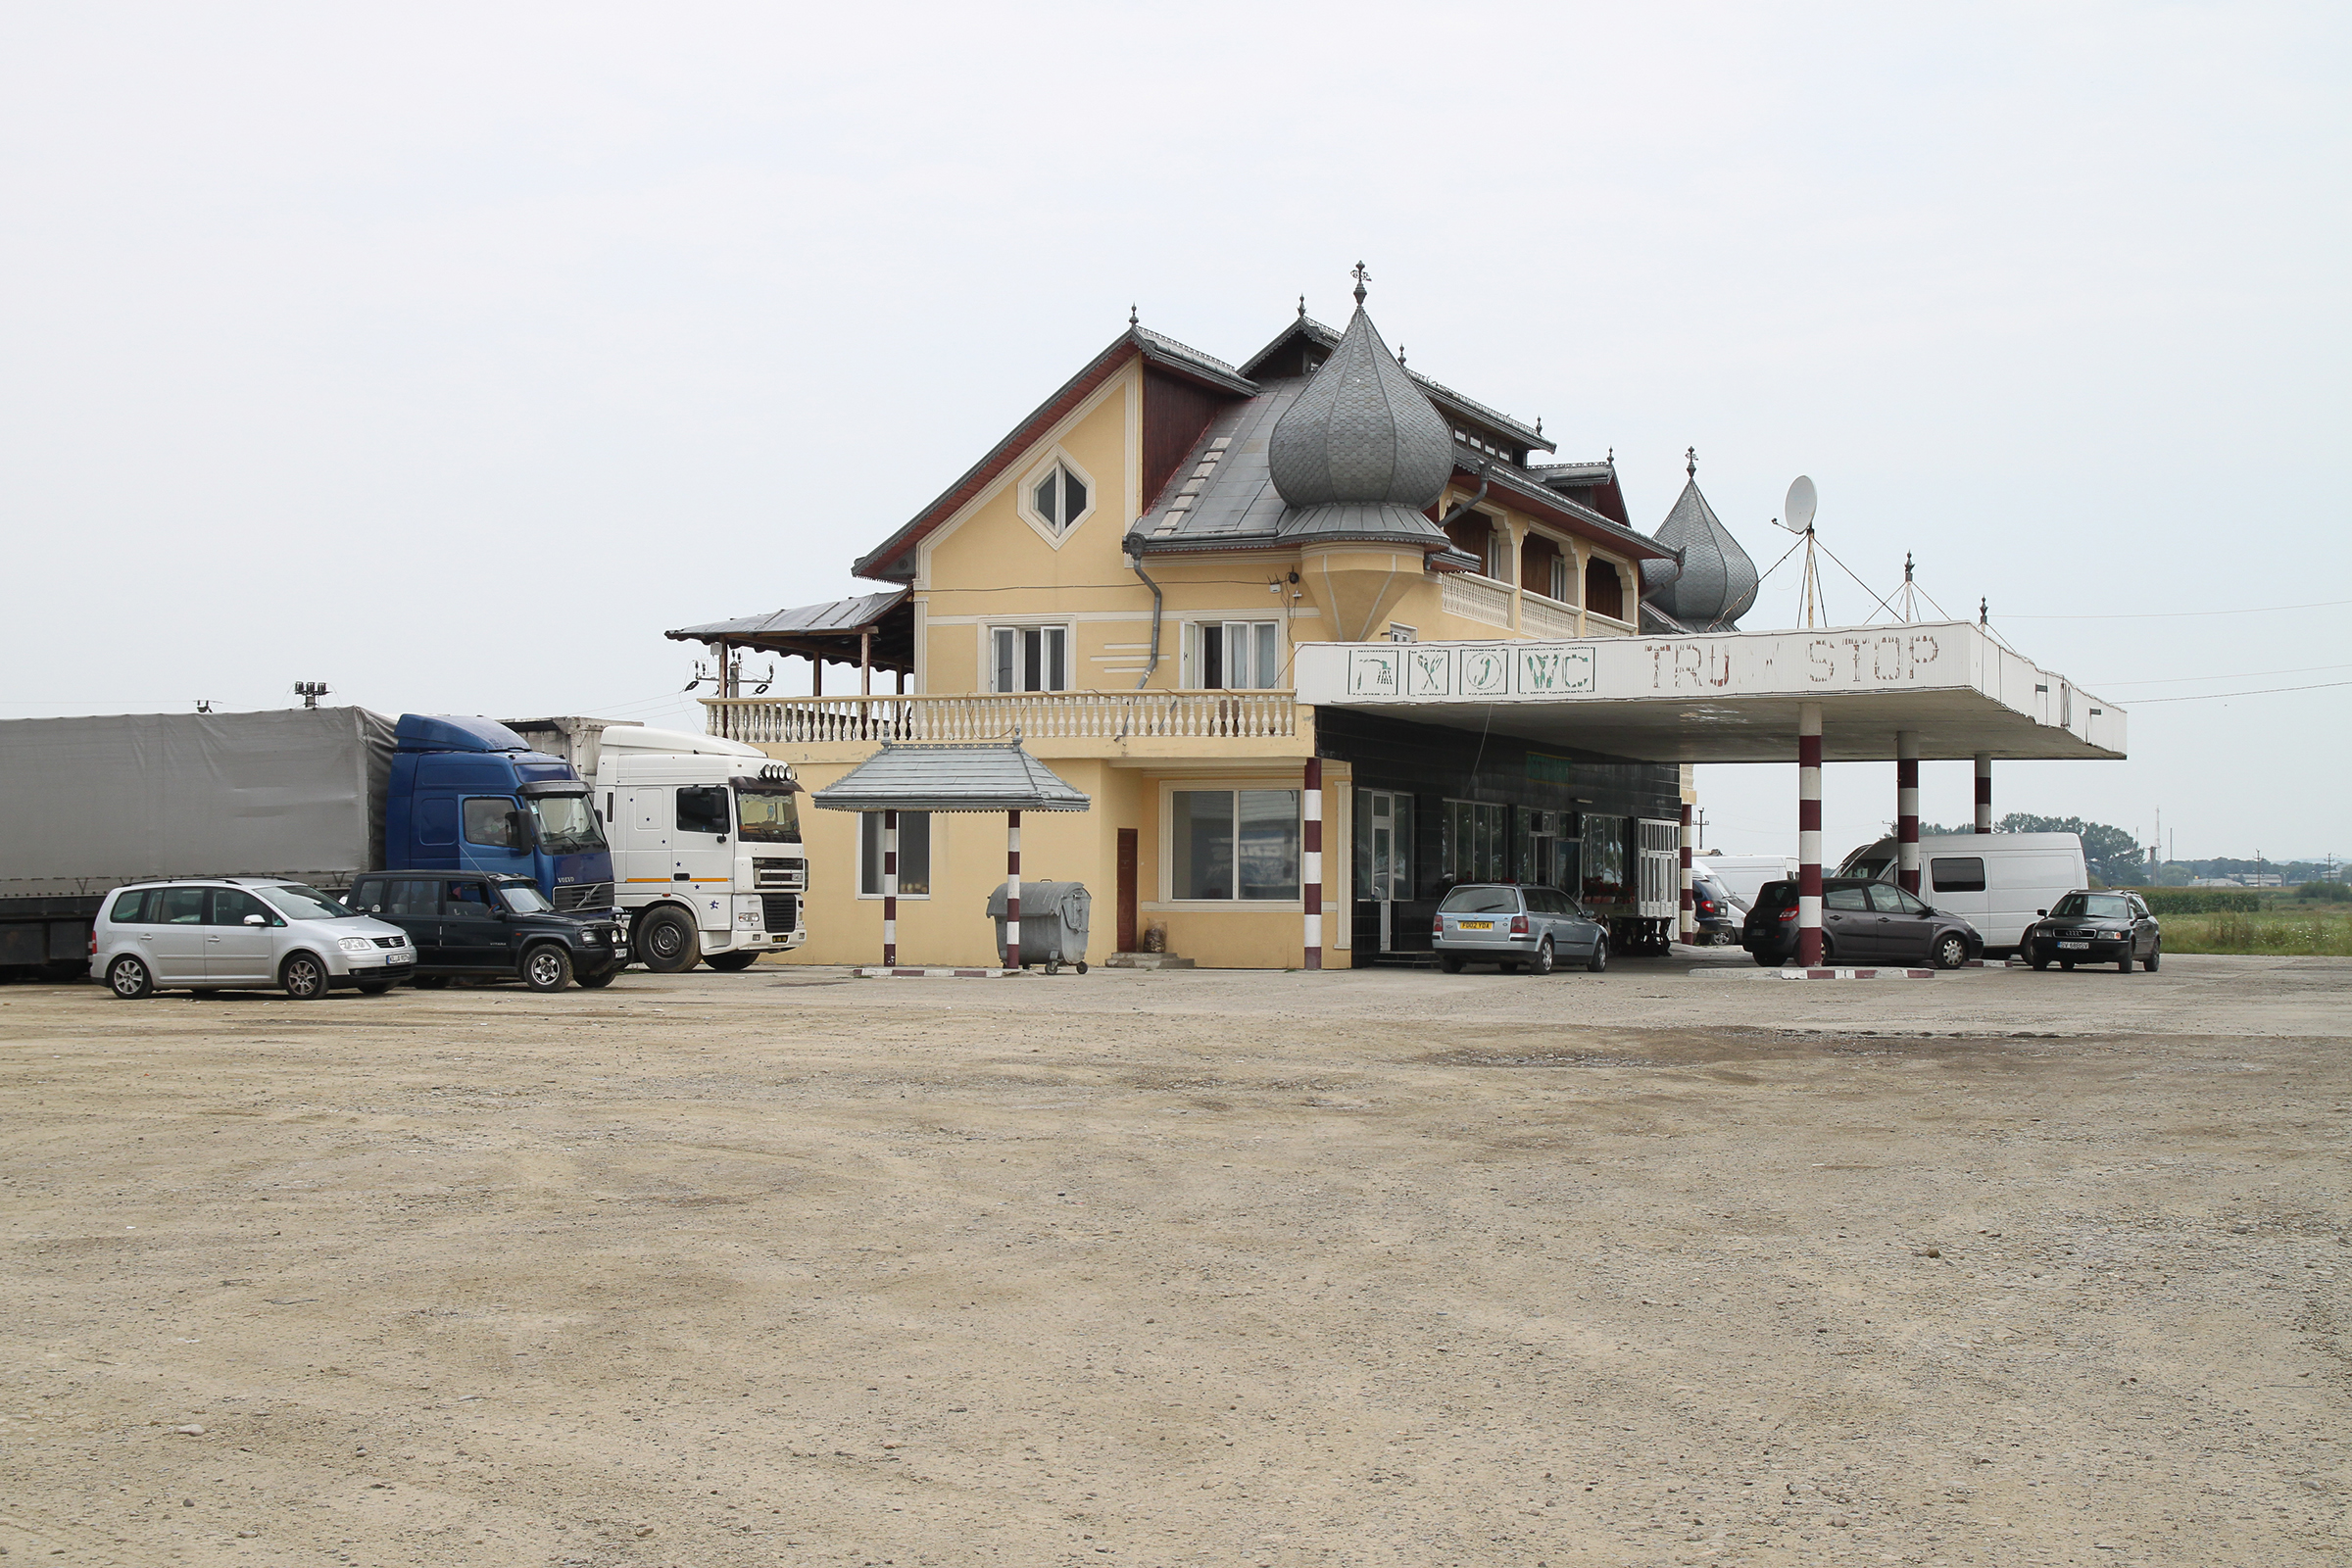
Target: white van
[
  {"x": 1996, "y": 881},
  {"x": 1744, "y": 875}
]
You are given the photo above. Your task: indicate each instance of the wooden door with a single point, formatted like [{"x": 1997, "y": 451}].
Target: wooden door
[{"x": 1127, "y": 943}]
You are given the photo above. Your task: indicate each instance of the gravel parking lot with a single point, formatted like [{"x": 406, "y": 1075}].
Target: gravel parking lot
[{"x": 1373, "y": 1268}]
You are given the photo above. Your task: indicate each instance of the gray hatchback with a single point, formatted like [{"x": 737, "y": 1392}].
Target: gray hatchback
[
  {"x": 1518, "y": 926},
  {"x": 242, "y": 934}
]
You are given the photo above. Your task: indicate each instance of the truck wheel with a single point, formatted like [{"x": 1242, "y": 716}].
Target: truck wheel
[
  {"x": 127, "y": 977},
  {"x": 667, "y": 942},
  {"x": 596, "y": 982},
  {"x": 546, "y": 967},
  {"x": 732, "y": 962},
  {"x": 304, "y": 978}
]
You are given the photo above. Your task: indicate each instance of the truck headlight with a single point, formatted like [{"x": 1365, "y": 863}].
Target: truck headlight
[{"x": 358, "y": 944}]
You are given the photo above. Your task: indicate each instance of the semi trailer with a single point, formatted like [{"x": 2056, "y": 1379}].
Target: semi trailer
[{"x": 318, "y": 796}]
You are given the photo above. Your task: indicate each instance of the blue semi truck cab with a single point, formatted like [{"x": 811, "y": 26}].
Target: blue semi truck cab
[{"x": 470, "y": 795}]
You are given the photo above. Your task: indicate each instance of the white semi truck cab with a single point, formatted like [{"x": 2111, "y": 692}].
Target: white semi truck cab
[{"x": 706, "y": 839}]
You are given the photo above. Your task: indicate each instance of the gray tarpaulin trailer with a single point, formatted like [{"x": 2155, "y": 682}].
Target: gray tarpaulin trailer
[{"x": 87, "y": 804}]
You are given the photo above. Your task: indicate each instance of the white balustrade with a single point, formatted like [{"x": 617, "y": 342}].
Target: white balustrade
[
  {"x": 1476, "y": 597},
  {"x": 1540, "y": 616},
  {"x": 997, "y": 716}
]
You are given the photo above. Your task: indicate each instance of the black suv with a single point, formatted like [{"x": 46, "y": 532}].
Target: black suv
[
  {"x": 1862, "y": 923},
  {"x": 466, "y": 925}
]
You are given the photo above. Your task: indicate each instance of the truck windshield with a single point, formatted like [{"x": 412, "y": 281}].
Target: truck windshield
[
  {"x": 298, "y": 902},
  {"x": 566, "y": 825},
  {"x": 523, "y": 897},
  {"x": 768, "y": 816}
]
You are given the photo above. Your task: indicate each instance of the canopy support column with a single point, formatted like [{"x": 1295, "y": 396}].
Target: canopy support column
[
  {"x": 1983, "y": 792},
  {"x": 1013, "y": 889},
  {"x": 1808, "y": 835},
  {"x": 1311, "y": 868},
  {"x": 1906, "y": 809},
  {"x": 1689, "y": 922},
  {"x": 890, "y": 889}
]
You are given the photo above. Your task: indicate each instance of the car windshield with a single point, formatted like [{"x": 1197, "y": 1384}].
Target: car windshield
[
  {"x": 566, "y": 825},
  {"x": 2093, "y": 906},
  {"x": 298, "y": 902},
  {"x": 1481, "y": 901},
  {"x": 523, "y": 897},
  {"x": 768, "y": 816}
]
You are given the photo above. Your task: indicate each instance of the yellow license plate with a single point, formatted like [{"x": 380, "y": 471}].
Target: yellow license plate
[{"x": 1474, "y": 925}]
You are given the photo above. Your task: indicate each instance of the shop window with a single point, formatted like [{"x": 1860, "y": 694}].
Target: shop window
[
  {"x": 1476, "y": 847},
  {"x": 1234, "y": 844},
  {"x": 1605, "y": 590},
  {"x": 1236, "y": 655},
  {"x": 1029, "y": 659},
  {"x": 915, "y": 855}
]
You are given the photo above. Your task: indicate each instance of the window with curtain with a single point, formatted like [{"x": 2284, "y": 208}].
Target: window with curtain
[
  {"x": 1029, "y": 659},
  {"x": 1236, "y": 655}
]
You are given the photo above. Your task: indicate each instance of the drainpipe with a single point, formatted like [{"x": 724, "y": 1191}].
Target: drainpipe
[
  {"x": 1485, "y": 469},
  {"x": 1134, "y": 545}
]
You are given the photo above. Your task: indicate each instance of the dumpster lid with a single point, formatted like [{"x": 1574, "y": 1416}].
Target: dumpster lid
[
  {"x": 1068, "y": 900},
  {"x": 997, "y": 777}
]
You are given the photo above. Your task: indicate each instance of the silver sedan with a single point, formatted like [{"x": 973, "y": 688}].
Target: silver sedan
[{"x": 1517, "y": 926}]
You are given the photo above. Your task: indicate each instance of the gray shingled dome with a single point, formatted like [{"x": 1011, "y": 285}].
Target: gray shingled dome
[
  {"x": 1716, "y": 583},
  {"x": 1361, "y": 433}
]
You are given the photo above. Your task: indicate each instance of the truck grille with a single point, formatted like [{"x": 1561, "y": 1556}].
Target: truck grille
[
  {"x": 783, "y": 912},
  {"x": 779, "y": 876},
  {"x": 584, "y": 896}
]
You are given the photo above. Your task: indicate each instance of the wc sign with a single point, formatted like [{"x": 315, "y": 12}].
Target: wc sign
[{"x": 1481, "y": 669}]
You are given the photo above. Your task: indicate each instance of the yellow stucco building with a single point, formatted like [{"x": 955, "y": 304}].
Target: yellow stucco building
[{"x": 1122, "y": 581}]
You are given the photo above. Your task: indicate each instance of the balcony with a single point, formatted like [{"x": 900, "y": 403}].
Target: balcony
[
  {"x": 1476, "y": 597},
  {"x": 1540, "y": 616},
  {"x": 989, "y": 716}
]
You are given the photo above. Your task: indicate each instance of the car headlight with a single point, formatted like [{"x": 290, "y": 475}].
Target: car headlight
[
  {"x": 358, "y": 944},
  {"x": 592, "y": 935}
]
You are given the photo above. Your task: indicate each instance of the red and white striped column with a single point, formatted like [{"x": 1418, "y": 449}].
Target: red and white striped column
[
  {"x": 1013, "y": 889},
  {"x": 1808, "y": 835},
  {"x": 1983, "y": 792},
  {"x": 1690, "y": 925},
  {"x": 1310, "y": 831},
  {"x": 1906, "y": 809},
  {"x": 890, "y": 889}
]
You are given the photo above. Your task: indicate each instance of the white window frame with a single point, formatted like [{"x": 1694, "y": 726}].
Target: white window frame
[
  {"x": 1021, "y": 628},
  {"x": 1167, "y": 847},
  {"x": 1195, "y": 663},
  {"x": 1025, "y": 492},
  {"x": 929, "y": 864}
]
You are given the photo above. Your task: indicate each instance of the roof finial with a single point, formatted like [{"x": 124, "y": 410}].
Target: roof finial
[
  {"x": 1361, "y": 279},
  {"x": 1612, "y": 456},
  {"x": 1539, "y": 424},
  {"x": 1983, "y": 613},
  {"x": 1399, "y": 354},
  {"x": 1690, "y": 462},
  {"x": 1131, "y": 316},
  {"x": 1906, "y": 566},
  {"x": 1302, "y": 307}
]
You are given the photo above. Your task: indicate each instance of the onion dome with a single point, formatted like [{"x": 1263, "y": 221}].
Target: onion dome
[
  {"x": 1715, "y": 583},
  {"x": 1360, "y": 452}
]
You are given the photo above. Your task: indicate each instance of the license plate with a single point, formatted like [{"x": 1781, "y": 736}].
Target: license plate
[
  {"x": 2084, "y": 945},
  {"x": 1474, "y": 925},
  {"x": 400, "y": 955}
]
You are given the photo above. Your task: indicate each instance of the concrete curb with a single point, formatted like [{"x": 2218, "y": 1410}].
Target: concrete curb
[
  {"x": 933, "y": 974},
  {"x": 1725, "y": 972}
]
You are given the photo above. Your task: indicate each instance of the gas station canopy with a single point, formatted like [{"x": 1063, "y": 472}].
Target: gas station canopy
[{"x": 1731, "y": 697}]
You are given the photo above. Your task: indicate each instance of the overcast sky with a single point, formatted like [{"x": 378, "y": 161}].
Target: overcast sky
[{"x": 450, "y": 354}]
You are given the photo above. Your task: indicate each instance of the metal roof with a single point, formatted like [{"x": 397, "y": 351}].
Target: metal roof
[
  {"x": 990, "y": 777},
  {"x": 861, "y": 614},
  {"x": 1716, "y": 581},
  {"x": 1436, "y": 391}
]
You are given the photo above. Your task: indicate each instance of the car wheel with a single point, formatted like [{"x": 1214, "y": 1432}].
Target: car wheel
[
  {"x": 596, "y": 982},
  {"x": 2123, "y": 965},
  {"x": 374, "y": 988},
  {"x": 546, "y": 967},
  {"x": 1541, "y": 964},
  {"x": 127, "y": 977},
  {"x": 1766, "y": 960},
  {"x": 1449, "y": 963},
  {"x": 667, "y": 942},
  {"x": 2067, "y": 964},
  {"x": 2038, "y": 961},
  {"x": 732, "y": 962},
  {"x": 304, "y": 977},
  {"x": 1950, "y": 950},
  {"x": 2154, "y": 954},
  {"x": 1600, "y": 956}
]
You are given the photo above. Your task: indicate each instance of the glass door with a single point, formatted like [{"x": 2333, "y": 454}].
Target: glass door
[{"x": 1384, "y": 855}]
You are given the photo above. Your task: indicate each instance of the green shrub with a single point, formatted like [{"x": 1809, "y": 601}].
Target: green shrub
[{"x": 2325, "y": 892}]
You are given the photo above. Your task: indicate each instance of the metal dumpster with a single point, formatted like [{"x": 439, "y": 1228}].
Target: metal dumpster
[{"x": 1053, "y": 921}]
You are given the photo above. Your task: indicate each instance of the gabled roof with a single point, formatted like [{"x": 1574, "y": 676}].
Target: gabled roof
[
  {"x": 996, "y": 777},
  {"x": 862, "y": 614},
  {"x": 1447, "y": 399},
  {"x": 894, "y": 559}
]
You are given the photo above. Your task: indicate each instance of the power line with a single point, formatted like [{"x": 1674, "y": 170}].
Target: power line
[
  {"x": 2174, "y": 614},
  {"x": 2243, "y": 674},
  {"x": 2216, "y": 697}
]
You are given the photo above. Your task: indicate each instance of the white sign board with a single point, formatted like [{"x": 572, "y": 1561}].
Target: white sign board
[{"x": 1860, "y": 660}]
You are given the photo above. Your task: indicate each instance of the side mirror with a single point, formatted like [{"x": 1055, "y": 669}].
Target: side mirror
[
  {"x": 520, "y": 837},
  {"x": 255, "y": 919},
  {"x": 722, "y": 838},
  {"x": 2042, "y": 913}
]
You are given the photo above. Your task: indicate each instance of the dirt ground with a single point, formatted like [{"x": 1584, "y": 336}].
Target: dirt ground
[{"x": 1374, "y": 1268}]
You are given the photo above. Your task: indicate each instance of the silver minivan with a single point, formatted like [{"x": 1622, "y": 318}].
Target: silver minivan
[
  {"x": 1516, "y": 926},
  {"x": 242, "y": 933}
]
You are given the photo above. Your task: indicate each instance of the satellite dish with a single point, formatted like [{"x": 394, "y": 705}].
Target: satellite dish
[{"x": 1796, "y": 515}]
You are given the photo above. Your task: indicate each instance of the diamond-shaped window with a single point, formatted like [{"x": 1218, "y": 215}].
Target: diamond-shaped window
[{"x": 1059, "y": 497}]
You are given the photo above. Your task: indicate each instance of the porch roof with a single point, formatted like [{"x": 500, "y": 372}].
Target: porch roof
[
  {"x": 951, "y": 778},
  {"x": 1732, "y": 697}
]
